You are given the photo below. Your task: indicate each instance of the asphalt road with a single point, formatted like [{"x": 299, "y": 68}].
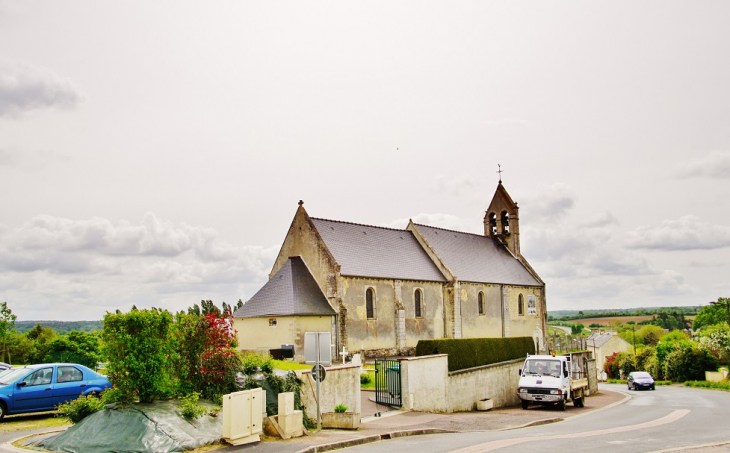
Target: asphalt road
[{"x": 667, "y": 418}]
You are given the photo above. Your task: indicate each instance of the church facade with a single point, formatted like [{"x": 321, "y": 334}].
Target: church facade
[{"x": 380, "y": 290}]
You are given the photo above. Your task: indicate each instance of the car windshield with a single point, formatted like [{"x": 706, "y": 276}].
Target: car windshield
[
  {"x": 642, "y": 376},
  {"x": 543, "y": 367},
  {"x": 10, "y": 376}
]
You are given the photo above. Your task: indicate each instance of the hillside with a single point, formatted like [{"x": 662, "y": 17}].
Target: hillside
[{"x": 60, "y": 327}]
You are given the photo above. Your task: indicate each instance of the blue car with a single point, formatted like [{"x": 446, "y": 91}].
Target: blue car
[{"x": 37, "y": 388}]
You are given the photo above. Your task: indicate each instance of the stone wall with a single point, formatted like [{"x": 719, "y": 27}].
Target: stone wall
[
  {"x": 340, "y": 386},
  {"x": 424, "y": 383}
]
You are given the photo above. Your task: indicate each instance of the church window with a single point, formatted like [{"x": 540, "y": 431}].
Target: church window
[
  {"x": 505, "y": 222},
  {"x": 521, "y": 305},
  {"x": 417, "y": 300},
  {"x": 492, "y": 223},
  {"x": 480, "y": 303},
  {"x": 370, "y": 303}
]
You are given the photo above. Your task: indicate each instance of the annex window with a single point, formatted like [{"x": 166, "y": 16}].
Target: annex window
[
  {"x": 480, "y": 303},
  {"x": 417, "y": 302},
  {"x": 370, "y": 303},
  {"x": 521, "y": 305},
  {"x": 272, "y": 322},
  {"x": 69, "y": 374}
]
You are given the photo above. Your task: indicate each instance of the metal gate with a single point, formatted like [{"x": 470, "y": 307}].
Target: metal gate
[{"x": 387, "y": 382}]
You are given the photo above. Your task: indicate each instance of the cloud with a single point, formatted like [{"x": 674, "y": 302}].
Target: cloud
[
  {"x": 25, "y": 89},
  {"x": 685, "y": 233},
  {"x": 7, "y": 157},
  {"x": 715, "y": 165},
  {"x": 600, "y": 220},
  {"x": 553, "y": 203},
  {"x": 81, "y": 268}
]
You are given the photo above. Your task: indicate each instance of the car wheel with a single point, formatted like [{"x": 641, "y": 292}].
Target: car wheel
[
  {"x": 635, "y": 387},
  {"x": 525, "y": 404},
  {"x": 2, "y": 410},
  {"x": 629, "y": 386},
  {"x": 652, "y": 387}
]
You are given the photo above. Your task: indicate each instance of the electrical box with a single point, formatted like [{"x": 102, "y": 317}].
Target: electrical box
[{"x": 242, "y": 416}]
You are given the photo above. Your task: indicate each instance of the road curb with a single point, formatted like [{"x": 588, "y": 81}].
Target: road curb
[
  {"x": 372, "y": 438},
  {"x": 9, "y": 444}
]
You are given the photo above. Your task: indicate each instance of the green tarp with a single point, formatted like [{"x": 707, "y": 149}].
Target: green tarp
[{"x": 156, "y": 427}]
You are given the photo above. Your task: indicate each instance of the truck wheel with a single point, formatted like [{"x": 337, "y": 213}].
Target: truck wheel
[
  {"x": 578, "y": 402},
  {"x": 525, "y": 404},
  {"x": 561, "y": 405}
]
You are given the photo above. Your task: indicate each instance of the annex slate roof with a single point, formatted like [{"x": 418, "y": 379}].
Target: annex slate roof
[
  {"x": 291, "y": 291},
  {"x": 476, "y": 258},
  {"x": 370, "y": 251}
]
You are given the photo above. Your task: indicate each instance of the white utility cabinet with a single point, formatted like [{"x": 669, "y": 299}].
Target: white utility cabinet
[{"x": 242, "y": 416}]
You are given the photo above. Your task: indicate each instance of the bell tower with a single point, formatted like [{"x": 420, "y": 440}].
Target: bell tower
[{"x": 502, "y": 220}]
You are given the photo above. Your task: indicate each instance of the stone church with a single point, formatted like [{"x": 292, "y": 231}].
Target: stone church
[{"x": 380, "y": 290}]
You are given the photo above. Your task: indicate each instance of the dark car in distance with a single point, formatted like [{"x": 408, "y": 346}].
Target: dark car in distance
[
  {"x": 638, "y": 380},
  {"x": 37, "y": 388}
]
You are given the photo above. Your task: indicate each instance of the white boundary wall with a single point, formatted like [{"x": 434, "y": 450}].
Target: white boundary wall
[
  {"x": 428, "y": 386},
  {"x": 340, "y": 386}
]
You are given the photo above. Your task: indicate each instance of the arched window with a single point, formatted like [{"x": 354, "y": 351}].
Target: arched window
[
  {"x": 417, "y": 301},
  {"x": 492, "y": 223},
  {"x": 505, "y": 222},
  {"x": 521, "y": 305},
  {"x": 370, "y": 303},
  {"x": 480, "y": 303}
]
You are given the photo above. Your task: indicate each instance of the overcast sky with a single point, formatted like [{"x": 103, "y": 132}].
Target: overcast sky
[{"x": 153, "y": 153}]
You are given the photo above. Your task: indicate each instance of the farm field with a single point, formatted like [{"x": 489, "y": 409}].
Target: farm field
[{"x": 609, "y": 319}]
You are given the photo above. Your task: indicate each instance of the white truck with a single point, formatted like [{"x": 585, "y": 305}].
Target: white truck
[{"x": 552, "y": 379}]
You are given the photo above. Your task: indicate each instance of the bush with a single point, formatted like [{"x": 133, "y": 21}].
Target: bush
[
  {"x": 689, "y": 363},
  {"x": 473, "y": 352},
  {"x": 137, "y": 347},
  {"x": 365, "y": 379},
  {"x": 189, "y": 407},
  {"x": 724, "y": 385},
  {"x": 340, "y": 408},
  {"x": 76, "y": 410}
]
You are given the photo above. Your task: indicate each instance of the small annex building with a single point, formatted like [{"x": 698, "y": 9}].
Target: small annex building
[
  {"x": 381, "y": 290},
  {"x": 604, "y": 344}
]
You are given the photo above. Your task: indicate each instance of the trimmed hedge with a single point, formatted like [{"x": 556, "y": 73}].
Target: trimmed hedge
[{"x": 473, "y": 352}]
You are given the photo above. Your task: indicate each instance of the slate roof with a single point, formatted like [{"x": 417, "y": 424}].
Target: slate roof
[
  {"x": 291, "y": 291},
  {"x": 599, "y": 339},
  {"x": 377, "y": 252},
  {"x": 476, "y": 258}
]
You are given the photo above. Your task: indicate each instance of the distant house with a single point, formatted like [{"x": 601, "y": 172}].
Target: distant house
[
  {"x": 604, "y": 344},
  {"x": 380, "y": 290}
]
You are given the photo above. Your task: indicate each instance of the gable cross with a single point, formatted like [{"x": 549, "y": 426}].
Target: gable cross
[{"x": 500, "y": 173}]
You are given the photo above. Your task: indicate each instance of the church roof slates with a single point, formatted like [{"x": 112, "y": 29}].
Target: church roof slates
[
  {"x": 377, "y": 252},
  {"x": 475, "y": 258},
  {"x": 291, "y": 291}
]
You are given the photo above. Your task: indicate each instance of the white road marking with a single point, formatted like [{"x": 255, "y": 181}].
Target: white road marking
[{"x": 497, "y": 444}]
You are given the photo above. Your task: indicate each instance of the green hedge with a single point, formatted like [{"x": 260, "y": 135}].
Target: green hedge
[{"x": 472, "y": 352}]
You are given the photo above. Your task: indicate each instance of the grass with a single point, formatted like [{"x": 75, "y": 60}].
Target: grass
[
  {"x": 623, "y": 381},
  {"x": 287, "y": 366},
  {"x": 370, "y": 385},
  {"x": 724, "y": 385},
  {"x": 43, "y": 420}
]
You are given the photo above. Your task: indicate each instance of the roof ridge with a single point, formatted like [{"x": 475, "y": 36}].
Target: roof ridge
[
  {"x": 362, "y": 224},
  {"x": 450, "y": 231}
]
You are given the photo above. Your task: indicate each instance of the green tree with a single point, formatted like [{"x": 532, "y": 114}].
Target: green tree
[
  {"x": 715, "y": 313},
  {"x": 7, "y": 321},
  {"x": 137, "y": 348},
  {"x": 716, "y": 338},
  {"x": 76, "y": 347},
  {"x": 688, "y": 362},
  {"x": 41, "y": 338}
]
